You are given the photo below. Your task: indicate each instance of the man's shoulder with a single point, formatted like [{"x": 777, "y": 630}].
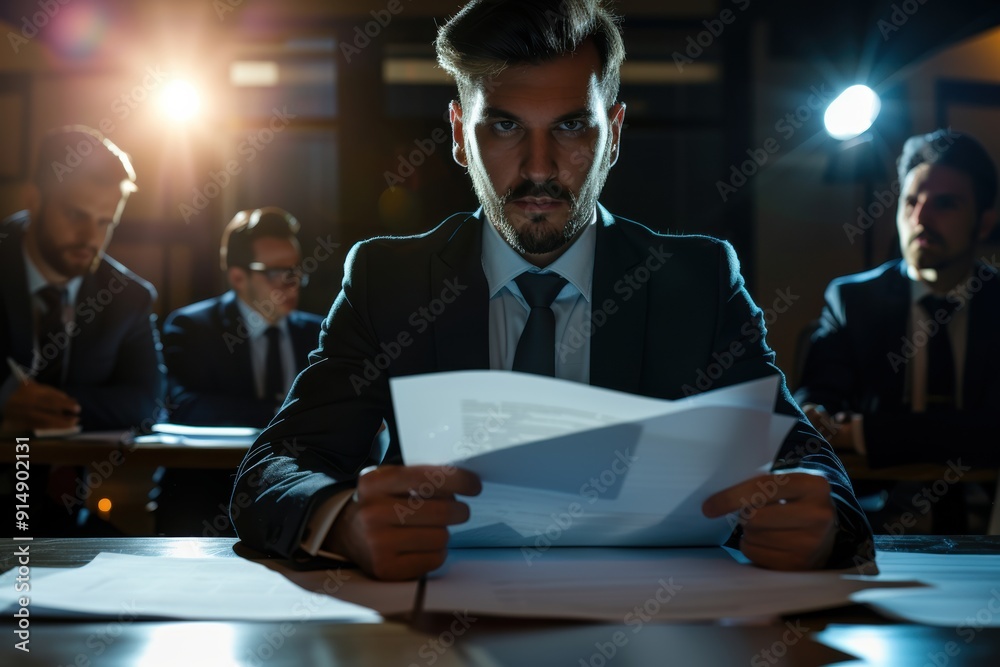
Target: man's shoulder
[
  {"x": 686, "y": 251},
  {"x": 871, "y": 279},
  {"x": 11, "y": 233},
  {"x": 435, "y": 237},
  {"x": 116, "y": 278},
  {"x": 305, "y": 319},
  {"x": 200, "y": 310},
  {"x": 641, "y": 233}
]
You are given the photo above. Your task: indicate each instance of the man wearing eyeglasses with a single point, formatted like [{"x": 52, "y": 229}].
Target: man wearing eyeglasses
[{"x": 231, "y": 359}]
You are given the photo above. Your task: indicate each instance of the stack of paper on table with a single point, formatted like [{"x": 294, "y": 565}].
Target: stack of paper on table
[
  {"x": 182, "y": 434},
  {"x": 567, "y": 464},
  {"x": 232, "y": 589}
]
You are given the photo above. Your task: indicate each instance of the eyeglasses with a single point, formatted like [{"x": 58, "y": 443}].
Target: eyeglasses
[{"x": 280, "y": 274}]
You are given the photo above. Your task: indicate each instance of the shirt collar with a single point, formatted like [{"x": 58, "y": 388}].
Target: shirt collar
[
  {"x": 255, "y": 322},
  {"x": 919, "y": 289},
  {"x": 37, "y": 281},
  {"x": 502, "y": 264}
]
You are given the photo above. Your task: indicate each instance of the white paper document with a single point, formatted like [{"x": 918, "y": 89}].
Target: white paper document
[
  {"x": 963, "y": 590},
  {"x": 628, "y": 586},
  {"x": 232, "y": 589},
  {"x": 182, "y": 434},
  {"x": 567, "y": 464}
]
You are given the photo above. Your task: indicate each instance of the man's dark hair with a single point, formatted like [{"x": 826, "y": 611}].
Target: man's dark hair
[
  {"x": 958, "y": 151},
  {"x": 78, "y": 151},
  {"x": 250, "y": 225},
  {"x": 487, "y": 36}
]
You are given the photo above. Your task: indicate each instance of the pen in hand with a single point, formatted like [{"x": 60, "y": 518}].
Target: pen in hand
[{"x": 44, "y": 399}]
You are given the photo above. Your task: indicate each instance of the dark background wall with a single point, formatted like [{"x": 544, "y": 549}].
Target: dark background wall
[{"x": 350, "y": 103}]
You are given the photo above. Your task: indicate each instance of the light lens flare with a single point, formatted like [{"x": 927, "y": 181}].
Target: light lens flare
[
  {"x": 852, "y": 113},
  {"x": 180, "y": 100}
]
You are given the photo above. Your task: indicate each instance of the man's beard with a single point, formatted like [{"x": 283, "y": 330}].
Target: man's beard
[
  {"x": 54, "y": 255},
  {"x": 537, "y": 238}
]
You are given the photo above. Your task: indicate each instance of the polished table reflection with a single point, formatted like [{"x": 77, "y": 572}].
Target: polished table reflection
[{"x": 849, "y": 635}]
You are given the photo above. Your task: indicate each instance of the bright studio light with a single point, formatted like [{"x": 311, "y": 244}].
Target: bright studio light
[
  {"x": 180, "y": 100},
  {"x": 852, "y": 112}
]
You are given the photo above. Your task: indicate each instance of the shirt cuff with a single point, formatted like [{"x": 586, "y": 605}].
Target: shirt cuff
[{"x": 319, "y": 524}]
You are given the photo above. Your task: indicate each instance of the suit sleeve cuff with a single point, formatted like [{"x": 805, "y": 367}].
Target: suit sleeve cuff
[{"x": 319, "y": 524}]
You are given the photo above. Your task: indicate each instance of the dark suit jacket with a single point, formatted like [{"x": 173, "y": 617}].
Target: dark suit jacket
[
  {"x": 209, "y": 371},
  {"x": 672, "y": 301},
  {"x": 857, "y": 362},
  {"x": 114, "y": 370}
]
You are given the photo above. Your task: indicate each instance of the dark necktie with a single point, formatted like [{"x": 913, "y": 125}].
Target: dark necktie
[
  {"x": 536, "y": 349},
  {"x": 52, "y": 338},
  {"x": 274, "y": 376},
  {"x": 940, "y": 361}
]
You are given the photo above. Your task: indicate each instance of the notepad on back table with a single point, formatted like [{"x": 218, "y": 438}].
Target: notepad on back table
[{"x": 567, "y": 464}]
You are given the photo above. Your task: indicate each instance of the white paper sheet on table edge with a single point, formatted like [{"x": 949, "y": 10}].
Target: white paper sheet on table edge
[{"x": 338, "y": 609}]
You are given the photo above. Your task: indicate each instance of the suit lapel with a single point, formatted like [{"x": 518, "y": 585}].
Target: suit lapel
[
  {"x": 461, "y": 330},
  {"x": 892, "y": 308},
  {"x": 616, "y": 346}
]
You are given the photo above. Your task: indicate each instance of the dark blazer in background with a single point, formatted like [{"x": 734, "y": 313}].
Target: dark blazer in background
[
  {"x": 209, "y": 372},
  {"x": 691, "y": 306},
  {"x": 849, "y": 368},
  {"x": 114, "y": 367}
]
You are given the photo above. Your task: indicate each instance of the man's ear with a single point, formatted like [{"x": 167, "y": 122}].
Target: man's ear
[
  {"x": 616, "y": 120},
  {"x": 987, "y": 221},
  {"x": 457, "y": 133},
  {"x": 237, "y": 279}
]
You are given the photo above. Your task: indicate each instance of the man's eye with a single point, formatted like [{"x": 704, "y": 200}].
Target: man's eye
[
  {"x": 504, "y": 126},
  {"x": 572, "y": 125}
]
